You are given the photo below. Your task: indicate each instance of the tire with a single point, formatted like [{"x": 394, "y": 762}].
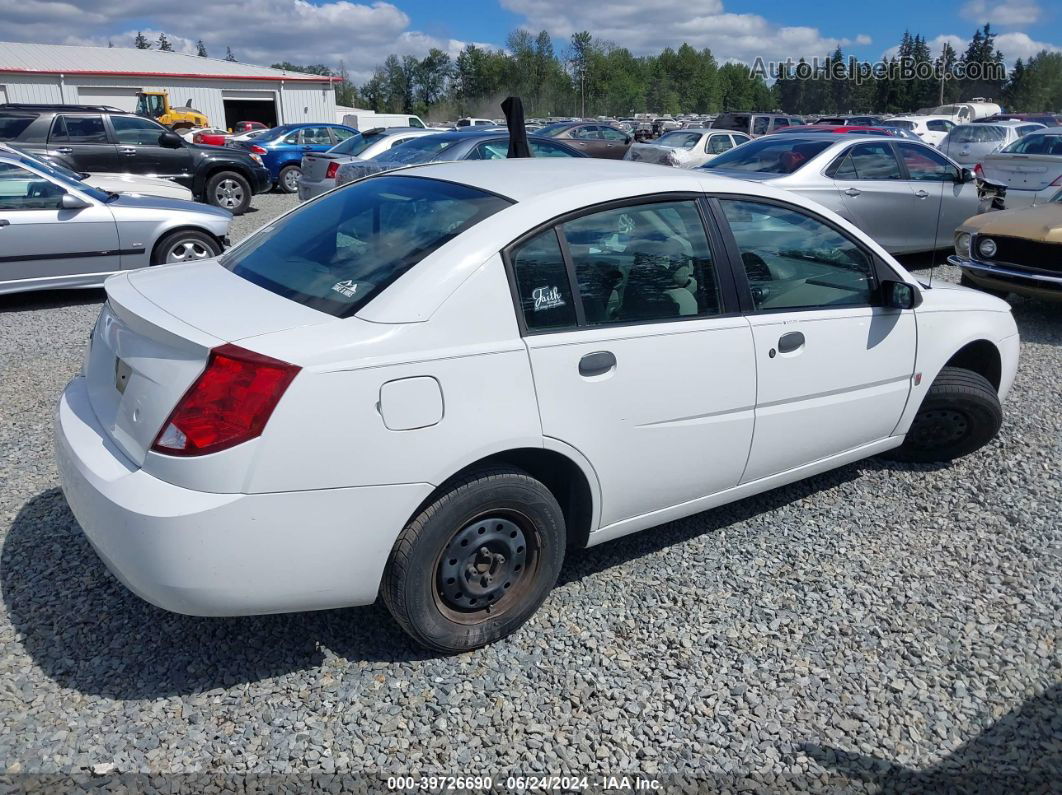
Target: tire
[
  {"x": 184, "y": 245},
  {"x": 288, "y": 181},
  {"x": 960, "y": 414},
  {"x": 229, "y": 191},
  {"x": 966, "y": 281},
  {"x": 453, "y": 596}
]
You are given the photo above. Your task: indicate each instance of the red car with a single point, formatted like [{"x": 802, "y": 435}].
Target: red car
[
  {"x": 247, "y": 126},
  {"x": 837, "y": 128},
  {"x": 211, "y": 137}
]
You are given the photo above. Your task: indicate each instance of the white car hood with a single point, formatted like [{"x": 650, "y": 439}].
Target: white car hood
[{"x": 140, "y": 185}]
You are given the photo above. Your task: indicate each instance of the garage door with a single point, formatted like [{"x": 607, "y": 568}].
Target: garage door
[{"x": 122, "y": 98}]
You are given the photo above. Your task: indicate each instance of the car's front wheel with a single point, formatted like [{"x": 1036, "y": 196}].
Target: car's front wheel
[
  {"x": 288, "y": 182},
  {"x": 185, "y": 245},
  {"x": 960, "y": 414},
  {"x": 230, "y": 191},
  {"x": 477, "y": 562}
]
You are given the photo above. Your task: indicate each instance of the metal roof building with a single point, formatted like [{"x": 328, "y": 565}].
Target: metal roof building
[{"x": 226, "y": 91}]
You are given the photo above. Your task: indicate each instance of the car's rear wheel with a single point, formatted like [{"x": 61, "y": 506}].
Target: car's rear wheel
[
  {"x": 960, "y": 414},
  {"x": 185, "y": 245},
  {"x": 288, "y": 181},
  {"x": 475, "y": 564},
  {"x": 230, "y": 191}
]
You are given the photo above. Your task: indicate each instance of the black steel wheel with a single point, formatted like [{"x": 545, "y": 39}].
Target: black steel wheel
[
  {"x": 476, "y": 563},
  {"x": 960, "y": 414}
]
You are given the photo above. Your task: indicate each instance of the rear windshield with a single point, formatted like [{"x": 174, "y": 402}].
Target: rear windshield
[
  {"x": 11, "y": 126},
  {"x": 418, "y": 150},
  {"x": 679, "y": 140},
  {"x": 976, "y": 134},
  {"x": 770, "y": 155},
  {"x": 355, "y": 144},
  {"x": 1037, "y": 144},
  {"x": 336, "y": 253}
]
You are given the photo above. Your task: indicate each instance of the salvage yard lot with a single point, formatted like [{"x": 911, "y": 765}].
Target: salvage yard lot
[{"x": 877, "y": 621}]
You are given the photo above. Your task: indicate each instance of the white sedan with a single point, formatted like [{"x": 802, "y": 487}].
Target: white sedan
[
  {"x": 429, "y": 384},
  {"x": 686, "y": 148}
]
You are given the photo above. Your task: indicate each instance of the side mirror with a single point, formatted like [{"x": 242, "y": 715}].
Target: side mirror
[
  {"x": 68, "y": 201},
  {"x": 900, "y": 295},
  {"x": 171, "y": 140},
  {"x": 966, "y": 175}
]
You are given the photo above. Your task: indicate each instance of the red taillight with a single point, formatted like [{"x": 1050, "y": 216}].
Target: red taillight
[
  {"x": 979, "y": 172},
  {"x": 258, "y": 150},
  {"x": 333, "y": 167},
  {"x": 230, "y": 403}
]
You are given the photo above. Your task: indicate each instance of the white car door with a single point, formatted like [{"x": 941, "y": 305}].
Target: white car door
[
  {"x": 40, "y": 240},
  {"x": 639, "y": 357},
  {"x": 833, "y": 366}
]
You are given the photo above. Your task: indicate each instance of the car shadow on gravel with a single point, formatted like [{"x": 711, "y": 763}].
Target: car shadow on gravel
[
  {"x": 1038, "y": 321},
  {"x": 1020, "y": 752},
  {"x": 87, "y": 632},
  {"x": 50, "y": 299}
]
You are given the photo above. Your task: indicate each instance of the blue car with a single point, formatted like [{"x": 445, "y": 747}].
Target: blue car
[{"x": 282, "y": 148}]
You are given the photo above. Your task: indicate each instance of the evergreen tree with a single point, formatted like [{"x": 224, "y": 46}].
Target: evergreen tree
[
  {"x": 228, "y": 54},
  {"x": 200, "y": 49},
  {"x": 164, "y": 43},
  {"x": 141, "y": 42}
]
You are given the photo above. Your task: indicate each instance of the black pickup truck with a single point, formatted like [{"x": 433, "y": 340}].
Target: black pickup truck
[{"x": 102, "y": 139}]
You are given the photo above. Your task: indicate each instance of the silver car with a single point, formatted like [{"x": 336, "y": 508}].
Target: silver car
[
  {"x": 906, "y": 195},
  {"x": 967, "y": 144},
  {"x": 56, "y": 231},
  {"x": 319, "y": 168},
  {"x": 1030, "y": 169}
]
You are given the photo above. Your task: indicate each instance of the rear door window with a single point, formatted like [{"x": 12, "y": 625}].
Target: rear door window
[
  {"x": 335, "y": 254},
  {"x": 13, "y": 125},
  {"x": 717, "y": 144},
  {"x": 543, "y": 291},
  {"x": 872, "y": 161},
  {"x": 134, "y": 131},
  {"x": 78, "y": 130}
]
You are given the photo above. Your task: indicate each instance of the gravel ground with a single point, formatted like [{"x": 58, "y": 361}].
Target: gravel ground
[{"x": 877, "y": 625}]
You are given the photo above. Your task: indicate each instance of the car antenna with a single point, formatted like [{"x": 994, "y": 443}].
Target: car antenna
[{"x": 936, "y": 235}]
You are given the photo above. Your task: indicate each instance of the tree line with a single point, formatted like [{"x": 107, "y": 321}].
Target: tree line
[{"x": 590, "y": 77}]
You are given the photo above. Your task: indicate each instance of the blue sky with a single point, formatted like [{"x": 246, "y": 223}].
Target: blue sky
[{"x": 361, "y": 33}]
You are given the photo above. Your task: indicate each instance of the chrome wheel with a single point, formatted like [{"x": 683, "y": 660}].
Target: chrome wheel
[
  {"x": 228, "y": 193},
  {"x": 291, "y": 179},
  {"x": 188, "y": 251}
]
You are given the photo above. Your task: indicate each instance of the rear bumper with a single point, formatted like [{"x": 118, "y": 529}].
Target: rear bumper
[
  {"x": 209, "y": 554},
  {"x": 308, "y": 190}
]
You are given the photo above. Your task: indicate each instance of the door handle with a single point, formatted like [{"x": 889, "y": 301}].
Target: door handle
[
  {"x": 853, "y": 192},
  {"x": 788, "y": 343},
  {"x": 597, "y": 363},
  {"x": 128, "y": 151},
  {"x": 922, "y": 194},
  {"x": 64, "y": 150}
]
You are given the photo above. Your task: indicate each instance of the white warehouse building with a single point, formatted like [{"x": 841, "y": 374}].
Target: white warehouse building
[{"x": 226, "y": 91}]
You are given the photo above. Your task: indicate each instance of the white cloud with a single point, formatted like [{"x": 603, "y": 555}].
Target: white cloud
[
  {"x": 1007, "y": 13},
  {"x": 258, "y": 31},
  {"x": 647, "y": 26},
  {"x": 863, "y": 40},
  {"x": 1012, "y": 45}
]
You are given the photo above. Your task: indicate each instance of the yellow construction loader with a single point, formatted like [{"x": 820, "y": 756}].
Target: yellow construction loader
[{"x": 155, "y": 104}]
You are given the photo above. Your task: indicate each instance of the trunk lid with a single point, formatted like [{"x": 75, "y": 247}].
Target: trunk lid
[
  {"x": 315, "y": 164},
  {"x": 155, "y": 333},
  {"x": 1022, "y": 172}
]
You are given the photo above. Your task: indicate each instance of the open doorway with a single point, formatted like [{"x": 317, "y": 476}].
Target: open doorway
[{"x": 261, "y": 107}]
